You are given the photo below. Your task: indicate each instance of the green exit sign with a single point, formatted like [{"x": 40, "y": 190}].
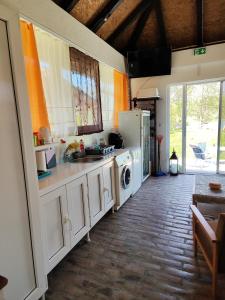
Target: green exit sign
[{"x": 200, "y": 51}]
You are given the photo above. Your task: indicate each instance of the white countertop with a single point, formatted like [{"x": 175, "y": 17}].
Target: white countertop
[{"x": 67, "y": 172}]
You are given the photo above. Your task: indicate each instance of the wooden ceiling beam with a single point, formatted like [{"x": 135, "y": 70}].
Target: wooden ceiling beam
[
  {"x": 103, "y": 16},
  {"x": 161, "y": 23},
  {"x": 200, "y": 11},
  {"x": 131, "y": 45},
  {"x": 67, "y": 5},
  {"x": 144, "y": 4}
]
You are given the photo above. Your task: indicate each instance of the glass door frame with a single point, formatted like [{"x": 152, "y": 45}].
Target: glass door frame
[
  {"x": 184, "y": 127},
  {"x": 222, "y": 82},
  {"x": 184, "y": 121}
]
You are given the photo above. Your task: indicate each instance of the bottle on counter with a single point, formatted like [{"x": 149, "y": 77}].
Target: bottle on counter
[
  {"x": 44, "y": 135},
  {"x": 81, "y": 145},
  {"x": 36, "y": 139},
  {"x": 102, "y": 142},
  {"x": 62, "y": 150}
]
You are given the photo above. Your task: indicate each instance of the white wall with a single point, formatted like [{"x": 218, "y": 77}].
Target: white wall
[
  {"x": 185, "y": 68},
  {"x": 48, "y": 15}
]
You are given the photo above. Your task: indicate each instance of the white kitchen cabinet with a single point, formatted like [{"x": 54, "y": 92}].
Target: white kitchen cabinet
[
  {"x": 56, "y": 227},
  {"x": 78, "y": 209},
  {"x": 109, "y": 185},
  {"x": 96, "y": 195},
  {"x": 69, "y": 212}
]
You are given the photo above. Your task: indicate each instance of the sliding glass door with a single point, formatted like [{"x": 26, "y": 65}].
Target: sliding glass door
[
  {"x": 202, "y": 126},
  {"x": 197, "y": 126}
]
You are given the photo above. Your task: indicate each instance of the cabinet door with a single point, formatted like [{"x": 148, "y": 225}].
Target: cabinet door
[
  {"x": 95, "y": 195},
  {"x": 55, "y": 227},
  {"x": 109, "y": 185},
  {"x": 78, "y": 209}
]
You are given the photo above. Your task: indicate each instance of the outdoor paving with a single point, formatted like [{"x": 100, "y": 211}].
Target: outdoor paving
[{"x": 144, "y": 251}]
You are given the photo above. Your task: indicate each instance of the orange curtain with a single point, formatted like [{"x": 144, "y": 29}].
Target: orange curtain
[
  {"x": 33, "y": 74},
  {"x": 121, "y": 102}
]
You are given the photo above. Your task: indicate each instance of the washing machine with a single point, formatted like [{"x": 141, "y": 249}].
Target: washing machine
[{"x": 123, "y": 174}]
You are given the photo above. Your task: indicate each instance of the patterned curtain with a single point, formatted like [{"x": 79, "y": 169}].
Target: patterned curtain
[{"x": 86, "y": 92}]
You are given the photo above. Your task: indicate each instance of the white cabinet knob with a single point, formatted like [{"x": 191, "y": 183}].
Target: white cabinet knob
[{"x": 68, "y": 221}]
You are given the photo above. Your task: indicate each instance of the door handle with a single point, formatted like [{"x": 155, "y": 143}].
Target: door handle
[
  {"x": 106, "y": 190},
  {"x": 68, "y": 221}
]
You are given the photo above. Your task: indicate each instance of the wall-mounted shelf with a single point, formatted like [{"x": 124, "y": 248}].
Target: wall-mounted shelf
[{"x": 45, "y": 147}]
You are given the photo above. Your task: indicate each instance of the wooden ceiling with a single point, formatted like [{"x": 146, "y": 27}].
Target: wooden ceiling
[{"x": 142, "y": 24}]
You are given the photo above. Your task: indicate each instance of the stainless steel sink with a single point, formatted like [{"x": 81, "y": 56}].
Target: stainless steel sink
[{"x": 87, "y": 159}]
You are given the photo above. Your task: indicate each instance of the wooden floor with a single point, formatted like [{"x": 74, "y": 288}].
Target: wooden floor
[{"x": 142, "y": 252}]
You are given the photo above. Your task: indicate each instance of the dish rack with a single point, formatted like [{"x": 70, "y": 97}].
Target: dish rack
[{"x": 102, "y": 150}]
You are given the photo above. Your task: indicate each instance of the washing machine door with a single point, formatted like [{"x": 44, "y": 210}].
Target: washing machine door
[{"x": 126, "y": 177}]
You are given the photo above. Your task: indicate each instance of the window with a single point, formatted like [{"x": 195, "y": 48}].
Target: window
[{"x": 86, "y": 92}]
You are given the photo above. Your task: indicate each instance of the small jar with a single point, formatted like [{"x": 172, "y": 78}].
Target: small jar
[{"x": 35, "y": 139}]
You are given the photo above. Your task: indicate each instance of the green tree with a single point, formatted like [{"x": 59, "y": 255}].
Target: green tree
[
  {"x": 202, "y": 101},
  {"x": 176, "y": 107}
]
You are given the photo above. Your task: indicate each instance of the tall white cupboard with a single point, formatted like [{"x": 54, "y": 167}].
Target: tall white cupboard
[{"x": 17, "y": 261}]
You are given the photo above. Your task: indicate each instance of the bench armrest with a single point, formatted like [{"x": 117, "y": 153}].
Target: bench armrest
[{"x": 204, "y": 224}]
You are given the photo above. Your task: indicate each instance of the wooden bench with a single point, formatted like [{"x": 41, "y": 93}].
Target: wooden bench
[{"x": 210, "y": 237}]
